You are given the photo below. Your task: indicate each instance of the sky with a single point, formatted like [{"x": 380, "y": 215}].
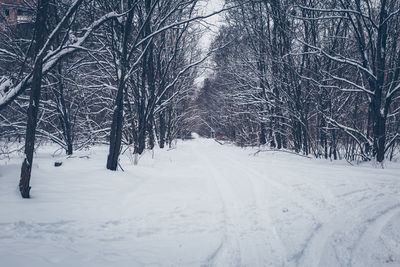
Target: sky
[{"x": 211, "y": 25}]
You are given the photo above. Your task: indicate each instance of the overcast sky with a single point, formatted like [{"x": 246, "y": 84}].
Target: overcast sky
[
  {"x": 212, "y": 25},
  {"x": 213, "y": 22}
]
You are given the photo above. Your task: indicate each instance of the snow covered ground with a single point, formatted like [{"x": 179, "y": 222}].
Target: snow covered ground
[{"x": 202, "y": 204}]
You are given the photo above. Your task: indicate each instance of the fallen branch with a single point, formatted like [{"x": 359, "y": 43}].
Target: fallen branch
[
  {"x": 277, "y": 150},
  {"x": 119, "y": 164},
  {"x": 219, "y": 142}
]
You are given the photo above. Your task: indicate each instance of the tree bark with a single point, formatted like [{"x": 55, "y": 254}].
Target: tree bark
[
  {"x": 263, "y": 139},
  {"x": 162, "y": 129},
  {"x": 64, "y": 114},
  {"x": 34, "y": 99},
  {"x": 118, "y": 115}
]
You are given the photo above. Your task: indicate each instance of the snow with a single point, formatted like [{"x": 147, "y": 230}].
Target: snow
[{"x": 201, "y": 204}]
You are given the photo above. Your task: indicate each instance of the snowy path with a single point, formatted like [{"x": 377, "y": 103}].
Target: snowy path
[
  {"x": 202, "y": 204},
  {"x": 248, "y": 228}
]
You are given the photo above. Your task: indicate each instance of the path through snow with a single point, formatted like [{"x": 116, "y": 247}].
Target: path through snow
[{"x": 201, "y": 204}]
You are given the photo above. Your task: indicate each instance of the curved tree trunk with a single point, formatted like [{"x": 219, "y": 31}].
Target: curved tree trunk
[{"x": 40, "y": 31}]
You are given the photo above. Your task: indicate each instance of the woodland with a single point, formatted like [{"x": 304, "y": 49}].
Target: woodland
[{"x": 319, "y": 78}]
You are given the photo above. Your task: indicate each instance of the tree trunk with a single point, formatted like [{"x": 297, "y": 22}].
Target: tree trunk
[
  {"x": 380, "y": 138},
  {"x": 64, "y": 114},
  {"x": 150, "y": 78},
  {"x": 150, "y": 132},
  {"x": 169, "y": 128},
  {"x": 116, "y": 130},
  {"x": 118, "y": 115},
  {"x": 140, "y": 141},
  {"x": 263, "y": 139},
  {"x": 162, "y": 129},
  {"x": 40, "y": 30}
]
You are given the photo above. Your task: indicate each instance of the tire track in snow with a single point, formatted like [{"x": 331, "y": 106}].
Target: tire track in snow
[
  {"x": 336, "y": 219},
  {"x": 371, "y": 233},
  {"x": 262, "y": 215},
  {"x": 259, "y": 185},
  {"x": 228, "y": 253},
  {"x": 250, "y": 231},
  {"x": 346, "y": 222},
  {"x": 311, "y": 249},
  {"x": 308, "y": 205}
]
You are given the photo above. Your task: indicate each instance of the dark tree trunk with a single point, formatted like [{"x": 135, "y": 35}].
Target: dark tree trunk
[
  {"x": 380, "y": 138},
  {"x": 150, "y": 78},
  {"x": 150, "y": 133},
  {"x": 162, "y": 129},
  {"x": 118, "y": 115},
  {"x": 324, "y": 138},
  {"x": 297, "y": 135},
  {"x": 64, "y": 114},
  {"x": 305, "y": 141},
  {"x": 140, "y": 141},
  {"x": 333, "y": 145},
  {"x": 61, "y": 105},
  {"x": 169, "y": 128},
  {"x": 116, "y": 130},
  {"x": 40, "y": 29},
  {"x": 263, "y": 139},
  {"x": 278, "y": 139}
]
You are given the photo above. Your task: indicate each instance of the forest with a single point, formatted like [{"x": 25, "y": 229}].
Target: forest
[
  {"x": 315, "y": 77},
  {"x": 90, "y": 72},
  {"x": 199, "y": 133}
]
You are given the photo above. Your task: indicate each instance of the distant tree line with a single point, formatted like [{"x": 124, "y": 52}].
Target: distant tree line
[{"x": 317, "y": 77}]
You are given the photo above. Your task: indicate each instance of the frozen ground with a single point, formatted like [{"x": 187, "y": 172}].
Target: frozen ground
[{"x": 202, "y": 204}]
